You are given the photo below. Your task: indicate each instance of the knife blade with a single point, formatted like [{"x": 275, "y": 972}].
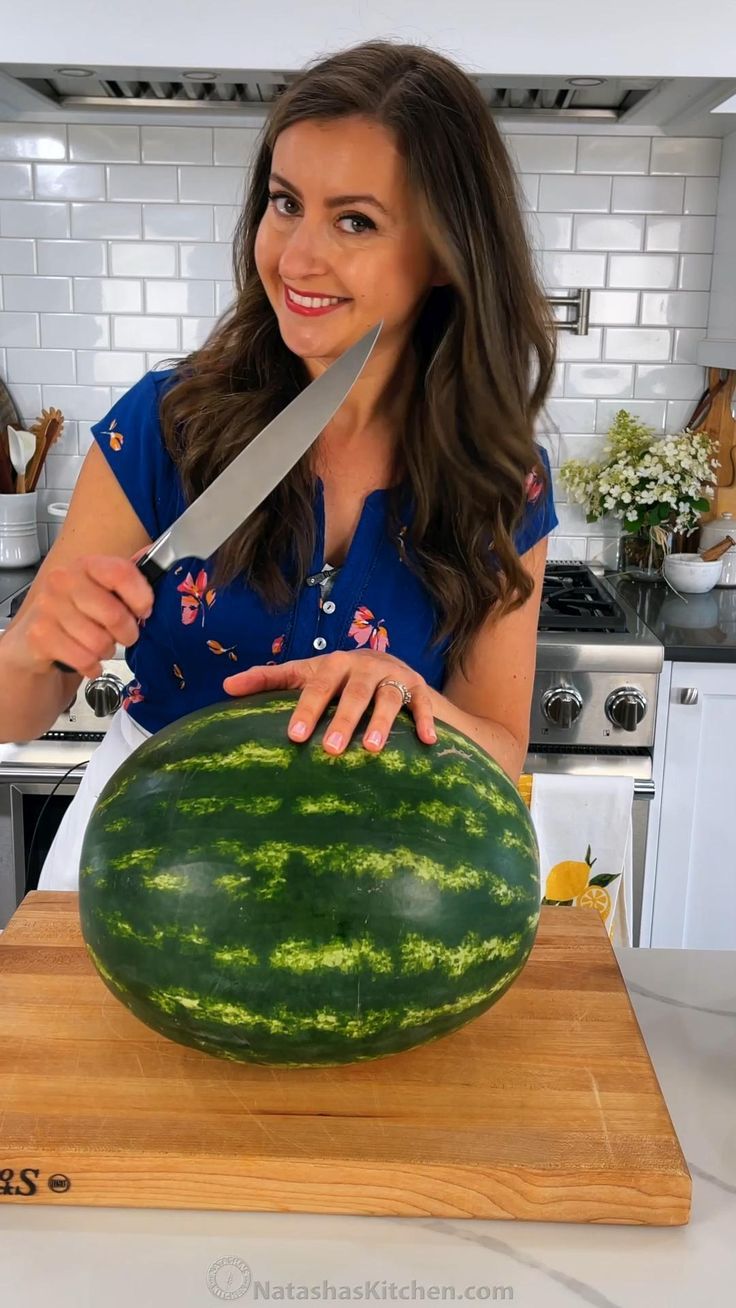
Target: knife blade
[{"x": 225, "y": 504}]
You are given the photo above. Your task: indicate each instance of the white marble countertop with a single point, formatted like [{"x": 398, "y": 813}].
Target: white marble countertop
[{"x": 685, "y": 1002}]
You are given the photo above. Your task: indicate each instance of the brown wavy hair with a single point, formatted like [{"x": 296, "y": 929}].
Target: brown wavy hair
[{"x": 482, "y": 352}]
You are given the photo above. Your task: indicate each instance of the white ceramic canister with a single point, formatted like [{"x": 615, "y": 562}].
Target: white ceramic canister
[
  {"x": 19, "y": 543},
  {"x": 714, "y": 531}
]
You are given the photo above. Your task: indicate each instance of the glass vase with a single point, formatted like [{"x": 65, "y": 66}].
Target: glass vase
[{"x": 642, "y": 555}]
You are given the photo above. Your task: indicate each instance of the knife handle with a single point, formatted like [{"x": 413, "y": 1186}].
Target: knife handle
[{"x": 151, "y": 571}]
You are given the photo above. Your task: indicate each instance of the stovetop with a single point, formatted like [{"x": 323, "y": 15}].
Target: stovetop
[{"x": 573, "y": 599}]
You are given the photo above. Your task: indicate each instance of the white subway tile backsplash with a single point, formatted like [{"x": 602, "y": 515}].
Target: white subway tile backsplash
[
  {"x": 141, "y": 182},
  {"x": 647, "y": 194},
  {"x": 80, "y": 331},
  {"x": 631, "y": 343},
  {"x": 106, "y": 221},
  {"x": 602, "y": 379},
  {"x": 561, "y": 270},
  {"x": 53, "y": 294},
  {"x": 235, "y": 146},
  {"x": 209, "y": 261},
  {"x": 695, "y": 235},
  {"x": 19, "y": 329},
  {"x": 62, "y": 471},
  {"x": 177, "y": 222},
  {"x": 686, "y": 344},
  {"x": 695, "y": 272},
  {"x": 212, "y": 185},
  {"x": 40, "y": 365},
  {"x": 176, "y": 145},
  {"x": 651, "y": 412},
  {"x": 669, "y": 381},
  {"x": 608, "y": 233},
  {"x": 642, "y": 270},
  {"x": 570, "y": 346},
  {"x": 88, "y": 402},
  {"x": 69, "y": 181},
  {"x": 568, "y": 415},
  {"x": 120, "y": 260},
  {"x": 16, "y": 181},
  {"x": 104, "y": 143},
  {"x": 109, "y": 367},
  {"x": 675, "y": 308},
  {"x": 140, "y": 260},
  {"x": 147, "y": 333},
  {"x": 581, "y": 194},
  {"x": 107, "y": 295},
  {"x": 692, "y": 155},
  {"x": 194, "y": 332},
  {"x": 613, "y": 154},
  {"x": 72, "y": 258},
  {"x": 543, "y": 154},
  {"x": 226, "y": 216},
  {"x": 33, "y": 218},
  {"x": 529, "y": 190},
  {"x": 614, "y": 307},
  {"x": 27, "y": 399},
  {"x": 224, "y": 296},
  {"x": 679, "y": 412},
  {"x": 181, "y": 297},
  {"x": 701, "y": 194},
  {"x": 32, "y": 141},
  {"x": 17, "y": 256}
]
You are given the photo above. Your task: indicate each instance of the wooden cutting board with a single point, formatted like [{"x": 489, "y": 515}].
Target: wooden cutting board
[{"x": 546, "y": 1108}]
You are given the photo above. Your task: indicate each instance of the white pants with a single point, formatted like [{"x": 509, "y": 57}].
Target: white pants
[{"x": 61, "y": 868}]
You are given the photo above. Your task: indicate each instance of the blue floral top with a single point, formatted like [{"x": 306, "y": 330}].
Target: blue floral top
[{"x": 197, "y": 635}]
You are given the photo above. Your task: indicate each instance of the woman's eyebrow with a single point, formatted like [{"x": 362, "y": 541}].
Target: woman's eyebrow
[{"x": 335, "y": 201}]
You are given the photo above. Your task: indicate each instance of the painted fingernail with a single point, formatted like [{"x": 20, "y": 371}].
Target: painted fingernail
[
  {"x": 334, "y": 740},
  {"x": 298, "y": 729},
  {"x": 374, "y": 738}
]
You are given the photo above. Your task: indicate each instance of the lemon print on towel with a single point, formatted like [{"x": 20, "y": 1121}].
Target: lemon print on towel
[{"x": 570, "y": 881}]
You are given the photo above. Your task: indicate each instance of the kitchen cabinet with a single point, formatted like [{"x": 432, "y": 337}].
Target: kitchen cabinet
[{"x": 690, "y": 877}]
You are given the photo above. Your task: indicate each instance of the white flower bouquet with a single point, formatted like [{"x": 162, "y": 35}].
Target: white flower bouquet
[{"x": 657, "y": 485}]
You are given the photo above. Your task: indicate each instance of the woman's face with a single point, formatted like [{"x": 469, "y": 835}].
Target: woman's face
[{"x": 340, "y": 245}]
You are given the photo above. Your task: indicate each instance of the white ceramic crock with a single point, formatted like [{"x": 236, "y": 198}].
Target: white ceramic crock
[
  {"x": 714, "y": 531},
  {"x": 19, "y": 543}
]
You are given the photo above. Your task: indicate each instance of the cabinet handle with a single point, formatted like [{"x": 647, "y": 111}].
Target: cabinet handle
[{"x": 689, "y": 695}]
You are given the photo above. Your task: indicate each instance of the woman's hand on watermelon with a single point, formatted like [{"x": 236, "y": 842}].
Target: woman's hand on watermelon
[{"x": 351, "y": 676}]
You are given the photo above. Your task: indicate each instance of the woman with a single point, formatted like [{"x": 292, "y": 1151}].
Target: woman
[{"x": 401, "y": 561}]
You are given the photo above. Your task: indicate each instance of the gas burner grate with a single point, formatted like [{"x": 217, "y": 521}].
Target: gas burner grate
[{"x": 573, "y": 599}]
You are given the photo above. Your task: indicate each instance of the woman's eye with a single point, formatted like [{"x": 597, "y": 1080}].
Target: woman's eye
[
  {"x": 279, "y": 200},
  {"x": 359, "y": 223}
]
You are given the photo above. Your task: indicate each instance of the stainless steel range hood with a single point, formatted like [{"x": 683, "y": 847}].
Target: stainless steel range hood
[{"x": 675, "y": 105}]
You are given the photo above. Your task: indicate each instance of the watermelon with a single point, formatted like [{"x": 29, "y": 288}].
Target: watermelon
[{"x": 267, "y": 902}]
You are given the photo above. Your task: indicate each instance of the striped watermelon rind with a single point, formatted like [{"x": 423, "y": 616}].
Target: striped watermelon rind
[{"x": 268, "y": 902}]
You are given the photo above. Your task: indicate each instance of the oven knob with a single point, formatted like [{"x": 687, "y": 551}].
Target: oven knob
[
  {"x": 626, "y": 707},
  {"x": 104, "y": 694},
  {"x": 562, "y": 706}
]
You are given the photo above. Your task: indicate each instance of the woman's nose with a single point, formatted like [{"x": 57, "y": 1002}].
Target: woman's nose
[{"x": 305, "y": 252}]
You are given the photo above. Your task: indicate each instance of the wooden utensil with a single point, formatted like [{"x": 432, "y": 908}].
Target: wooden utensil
[
  {"x": 715, "y": 551},
  {"x": 47, "y": 429},
  {"x": 545, "y": 1108}
]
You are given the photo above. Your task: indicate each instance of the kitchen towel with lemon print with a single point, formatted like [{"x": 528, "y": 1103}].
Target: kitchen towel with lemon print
[{"x": 583, "y": 826}]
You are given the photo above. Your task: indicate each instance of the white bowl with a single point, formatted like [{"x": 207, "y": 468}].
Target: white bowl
[{"x": 691, "y": 574}]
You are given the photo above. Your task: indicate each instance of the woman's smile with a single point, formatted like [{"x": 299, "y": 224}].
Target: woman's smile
[{"x": 311, "y": 303}]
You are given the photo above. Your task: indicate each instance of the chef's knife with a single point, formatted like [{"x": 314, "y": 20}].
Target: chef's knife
[{"x": 231, "y": 498}]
